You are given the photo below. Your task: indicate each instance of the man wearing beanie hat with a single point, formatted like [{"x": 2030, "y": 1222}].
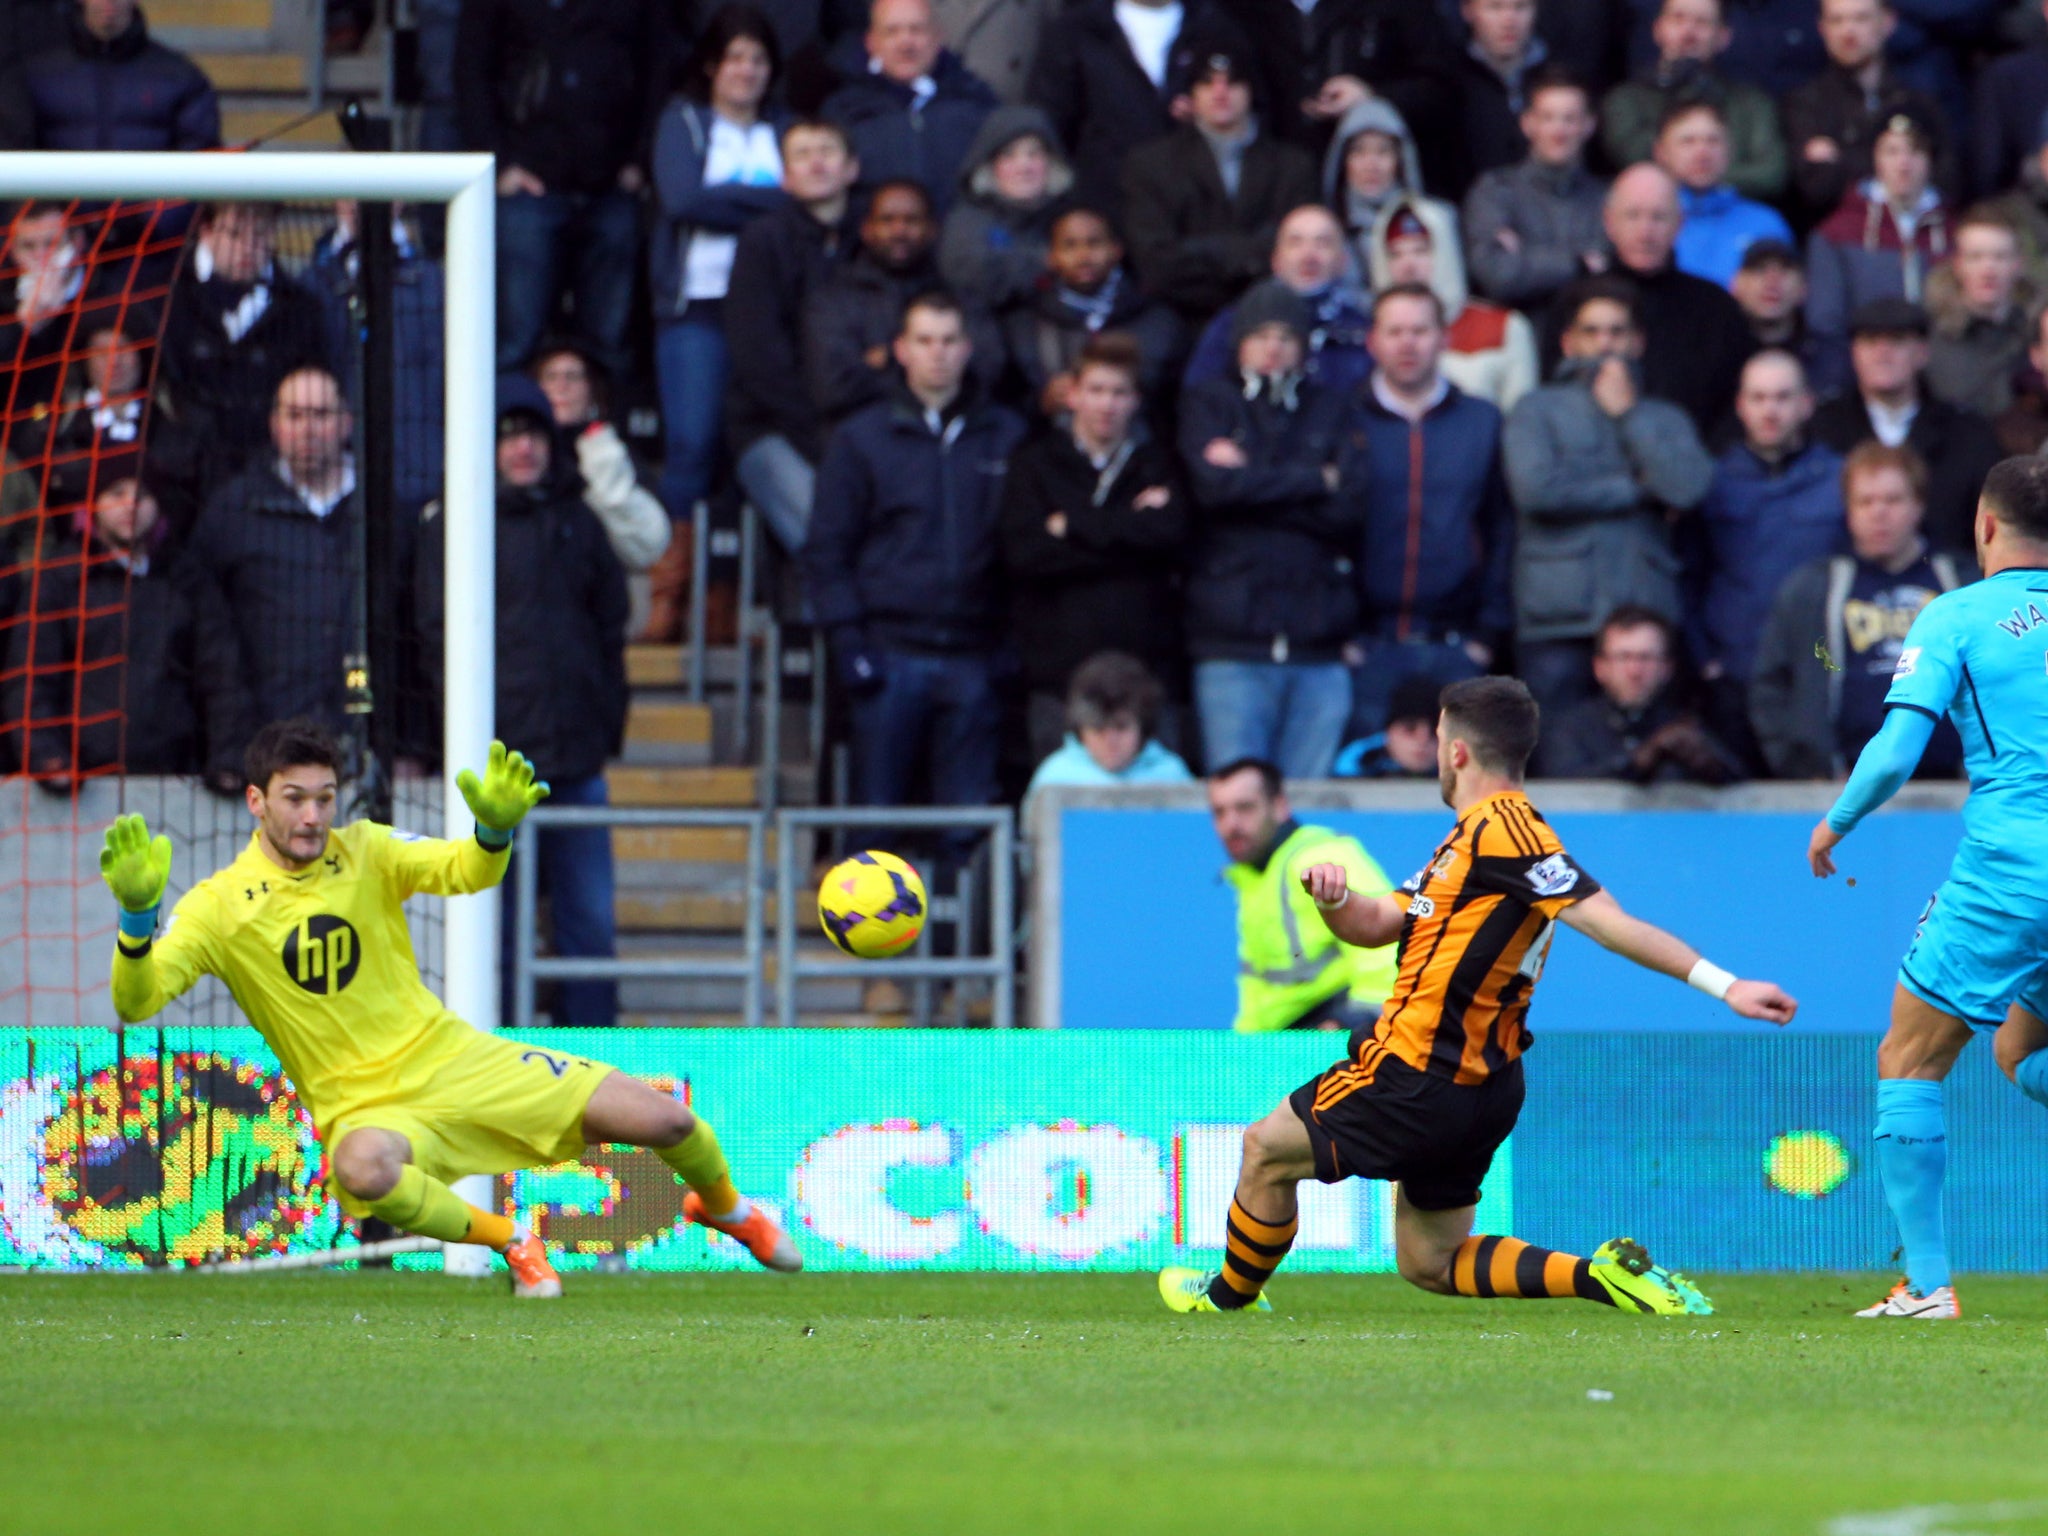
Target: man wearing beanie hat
[
  {"x": 1309, "y": 257},
  {"x": 1202, "y": 205},
  {"x": 1271, "y": 598},
  {"x": 561, "y": 670}
]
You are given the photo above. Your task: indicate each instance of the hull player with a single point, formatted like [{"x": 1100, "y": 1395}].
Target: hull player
[
  {"x": 1431, "y": 1091},
  {"x": 307, "y": 929},
  {"x": 1979, "y": 959}
]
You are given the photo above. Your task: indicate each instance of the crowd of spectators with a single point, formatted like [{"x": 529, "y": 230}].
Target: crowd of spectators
[{"x": 1126, "y": 384}]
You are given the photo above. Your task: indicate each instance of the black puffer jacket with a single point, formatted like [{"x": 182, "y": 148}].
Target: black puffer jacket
[
  {"x": 289, "y": 580},
  {"x": 783, "y": 258},
  {"x": 903, "y": 541},
  {"x": 1272, "y": 577},
  {"x": 144, "y": 667},
  {"x": 561, "y": 626},
  {"x": 562, "y": 88},
  {"x": 859, "y": 308},
  {"x": 126, "y": 93}
]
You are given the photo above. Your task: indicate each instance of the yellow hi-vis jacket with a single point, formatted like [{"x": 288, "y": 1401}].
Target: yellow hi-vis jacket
[{"x": 1287, "y": 960}]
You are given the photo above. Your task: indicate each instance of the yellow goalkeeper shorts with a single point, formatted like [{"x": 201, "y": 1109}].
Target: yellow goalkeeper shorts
[{"x": 495, "y": 1105}]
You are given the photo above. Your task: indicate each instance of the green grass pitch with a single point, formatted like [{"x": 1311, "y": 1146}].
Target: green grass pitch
[{"x": 1047, "y": 1404}]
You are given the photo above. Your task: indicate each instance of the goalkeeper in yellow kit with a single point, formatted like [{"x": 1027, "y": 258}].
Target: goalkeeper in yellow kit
[{"x": 307, "y": 929}]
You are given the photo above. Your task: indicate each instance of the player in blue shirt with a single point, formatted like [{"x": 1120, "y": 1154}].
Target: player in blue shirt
[{"x": 1979, "y": 959}]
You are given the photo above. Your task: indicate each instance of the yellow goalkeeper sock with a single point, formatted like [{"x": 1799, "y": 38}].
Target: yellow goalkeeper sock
[
  {"x": 423, "y": 1204},
  {"x": 699, "y": 1163}
]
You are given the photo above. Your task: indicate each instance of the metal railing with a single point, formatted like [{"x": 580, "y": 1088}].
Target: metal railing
[
  {"x": 998, "y": 966},
  {"x": 529, "y": 968}
]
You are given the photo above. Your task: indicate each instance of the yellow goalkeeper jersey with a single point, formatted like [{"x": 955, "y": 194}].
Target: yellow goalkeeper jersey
[{"x": 321, "y": 962}]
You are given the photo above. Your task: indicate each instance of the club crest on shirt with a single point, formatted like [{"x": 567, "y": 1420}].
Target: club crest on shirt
[
  {"x": 321, "y": 954},
  {"x": 1441, "y": 868},
  {"x": 1553, "y": 876}
]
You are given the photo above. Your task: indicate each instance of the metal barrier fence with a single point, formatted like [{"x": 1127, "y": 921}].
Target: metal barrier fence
[
  {"x": 993, "y": 863},
  {"x": 529, "y": 968},
  {"x": 998, "y": 966}
]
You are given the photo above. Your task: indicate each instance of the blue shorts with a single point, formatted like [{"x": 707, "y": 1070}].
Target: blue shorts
[{"x": 1978, "y": 951}]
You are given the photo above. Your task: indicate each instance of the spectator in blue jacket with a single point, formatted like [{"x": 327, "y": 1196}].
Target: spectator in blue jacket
[
  {"x": 108, "y": 86},
  {"x": 717, "y": 166},
  {"x": 914, "y": 108},
  {"x": 1720, "y": 223},
  {"x": 1775, "y": 504},
  {"x": 901, "y": 563},
  {"x": 1436, "y": 560},
  {"x": 1310, "y": 257}
]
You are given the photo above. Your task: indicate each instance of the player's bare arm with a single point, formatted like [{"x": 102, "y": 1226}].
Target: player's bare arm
[
  {"x": 1602, "y": 919},
  {"x": 1368, "y": 922}
]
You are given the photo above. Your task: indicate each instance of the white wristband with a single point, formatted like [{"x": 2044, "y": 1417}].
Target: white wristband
[
  {"x": 1709, "y": 978},
  {"x": 1333, "y": 906}
]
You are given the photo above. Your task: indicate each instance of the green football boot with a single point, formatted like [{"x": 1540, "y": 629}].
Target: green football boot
[
  {"x": 1187, "y": 1290},
  {"x": 1623, "y": 1267}
]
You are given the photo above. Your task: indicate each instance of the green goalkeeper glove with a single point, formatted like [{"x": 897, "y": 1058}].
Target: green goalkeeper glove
[
  {"x": 503, "y": 796},
  {"x": 136, "y": 868}
]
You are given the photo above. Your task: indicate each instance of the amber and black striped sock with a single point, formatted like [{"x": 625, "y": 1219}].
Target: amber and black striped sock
[
  {"x": 1253, "y": 1249},
  {"x": 1507, "y": 1266}
]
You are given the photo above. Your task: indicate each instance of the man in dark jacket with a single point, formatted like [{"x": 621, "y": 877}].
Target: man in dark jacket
[
  {"x": 1501, "y": 56},
  {"x": 1827, "y": 655},
  {"x": 1309, "y": 256},
  {"x": 1832, "y": 121},
  {"x": 2005, "y": 120},
  {"x": 280, "y": 541},
  {"x": 1105, "y": 78},
  {"x": 775, "y": 431},
  {"x": 134, "y": 663},
  {"x": 902, "y": 565},
  {"x": 1094, "y": 536},
  {"x": 108, "y": 85},
  {"x": 915, "y": 108},
  {"x": 1695, "y": 337},
  {"x": 1086, "y": 291},
  {"x": 237, "y": 324},
  {"x": 1317, "y": 62},
  {"x": 1770, "y": 287},
  {"x": 1691, "y": 36},
  {"x": 1597, "y": 466},
  {"x": 561, "y": 672},
  {"x": 561, "y": 91},
  {"x": 854, "y": 316},
  {"x": 1202, "y": 205},
  {"x": 1436, "y": 563},
  {"x": 1633, "y": 727},
  {"x": 1272, "y": 595},
  {"x": 1889, "y": 402},
  {"x": 1776, "y": 503}
]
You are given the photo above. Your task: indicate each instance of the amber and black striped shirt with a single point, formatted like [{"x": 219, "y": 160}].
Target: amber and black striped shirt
[{"x": 1472, "y": 948}]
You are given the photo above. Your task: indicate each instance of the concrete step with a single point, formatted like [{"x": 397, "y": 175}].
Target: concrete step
[
  {"x": 718, "y": 846},
  {"x": 662, "y": 733},
  {"x": 242, "y": 125},
  {"x": 210, "y": 15},
  {"x": 644, "y": 908},
  {"x": 275, "y": 73},
  {"x": 642, "y": 784}
]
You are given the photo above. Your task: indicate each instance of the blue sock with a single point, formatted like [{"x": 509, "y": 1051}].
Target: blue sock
[
  {"x": 2032, "y": 1076},
  {"x": 1912, "y": 1155}
]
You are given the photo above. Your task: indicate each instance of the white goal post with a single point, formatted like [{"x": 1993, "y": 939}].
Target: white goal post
[{"x": 466, "y": 183}]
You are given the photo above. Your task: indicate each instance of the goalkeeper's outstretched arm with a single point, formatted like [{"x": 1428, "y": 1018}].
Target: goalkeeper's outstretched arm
[
  {"x": 499, "y": 799},
  {"x": 1601, "y": 918},
  {"x": 148, "y": 971}
]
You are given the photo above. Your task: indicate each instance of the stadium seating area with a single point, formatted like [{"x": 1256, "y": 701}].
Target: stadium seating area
[{"x": 1118, "y": 390}]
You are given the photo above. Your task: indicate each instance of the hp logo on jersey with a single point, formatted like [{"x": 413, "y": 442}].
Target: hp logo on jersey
[{"x": 322, "y": 954}]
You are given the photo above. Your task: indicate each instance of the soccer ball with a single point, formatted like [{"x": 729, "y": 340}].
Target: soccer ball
[{"x": 872, "y": 905}]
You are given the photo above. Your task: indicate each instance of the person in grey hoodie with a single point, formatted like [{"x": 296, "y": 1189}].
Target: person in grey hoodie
[
  {"x": 1597, "y": 471},
  {"x": 1371, "y": 166},
  {"x": 1012, "y": 186}
]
